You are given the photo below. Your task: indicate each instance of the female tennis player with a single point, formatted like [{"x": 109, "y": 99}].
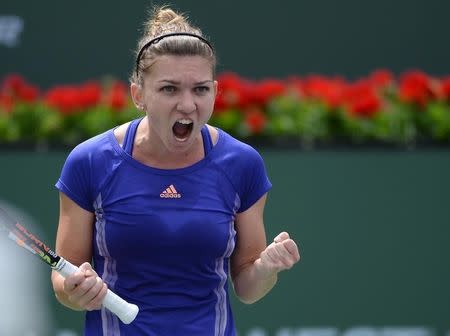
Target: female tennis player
[{"x": 167, "y": 207}]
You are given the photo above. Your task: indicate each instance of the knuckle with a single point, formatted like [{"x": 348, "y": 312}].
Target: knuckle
[{"x": 86, "y": 285}]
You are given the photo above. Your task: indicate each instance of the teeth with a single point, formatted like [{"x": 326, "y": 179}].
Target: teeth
[{"x": 184, "y": 121}]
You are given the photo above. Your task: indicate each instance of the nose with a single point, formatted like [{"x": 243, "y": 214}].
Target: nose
[{"x": 186, "y": 103}]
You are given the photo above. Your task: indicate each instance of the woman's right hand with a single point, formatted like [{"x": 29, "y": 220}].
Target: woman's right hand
[{"x": 85, "y": 288}]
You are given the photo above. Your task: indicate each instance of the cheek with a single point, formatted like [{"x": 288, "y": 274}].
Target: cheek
[
  {"x": 208, "y": 108},
  {"x": 158, "y": 110},
  {"x": 159, "y": 121},
  {"x": 209, "y": 114}
]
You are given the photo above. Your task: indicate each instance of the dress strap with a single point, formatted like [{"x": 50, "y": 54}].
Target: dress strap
[
  {"x": 207, "y": 141},
  {"x": 128, "y": 142}
]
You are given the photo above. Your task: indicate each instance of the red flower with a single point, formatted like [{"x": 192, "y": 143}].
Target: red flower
[
  {"x": 361, "y": 98},
  {"x": 90, "y": 94},
  {"x": 232, "y": 92},
  {"x": 117, "y": 97},
  {"x": 255, "y": 120},
  {"x": 327, "y": 90},
  {"x": 366, "y": 106},
  {"x": 266, "y": 90},
  {"x": 17, "y": 88},
  {"x": 445, "y": 87},
  {"x": 28, "y": 93},
  {"x": 71, "y": 98},
  {"x": 64, "y": 98},
  {"x": 6, "y": 102},
  {"x": 13, "y": 83},
  {"x": 415, "y": 87},
  {"x": 381, "y": 78}
]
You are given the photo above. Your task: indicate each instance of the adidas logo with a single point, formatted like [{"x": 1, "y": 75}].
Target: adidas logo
[{"x": 170, "y": 192}]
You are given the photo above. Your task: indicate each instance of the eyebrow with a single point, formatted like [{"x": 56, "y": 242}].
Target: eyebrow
[{"x": 178, "y": 83}]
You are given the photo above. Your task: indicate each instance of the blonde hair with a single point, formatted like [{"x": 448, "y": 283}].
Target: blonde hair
[{"x": 163, "y": 21}]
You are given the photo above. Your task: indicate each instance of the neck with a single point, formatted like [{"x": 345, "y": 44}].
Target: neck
[{"x": 150, "y": 150}]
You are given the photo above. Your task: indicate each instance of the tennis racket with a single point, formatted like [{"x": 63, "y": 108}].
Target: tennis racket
[{"x": 27, "y": 240}]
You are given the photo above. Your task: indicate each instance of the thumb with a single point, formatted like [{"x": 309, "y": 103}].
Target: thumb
[
  {"x": 282, "y": 236},
  {"x": 84, "y": 267}
]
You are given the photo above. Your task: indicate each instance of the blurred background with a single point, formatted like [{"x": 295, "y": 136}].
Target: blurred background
[
  {"x": 68, "y": 42},
  {"x": 348, "y": 103}
]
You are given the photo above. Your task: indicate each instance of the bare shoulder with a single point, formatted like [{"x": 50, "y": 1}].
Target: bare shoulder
[
  {"x": 214, "y": 133},
  {"x": 120, "y": 131}
]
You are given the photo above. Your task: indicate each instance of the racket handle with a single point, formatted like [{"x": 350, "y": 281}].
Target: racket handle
[{"x": 125, "y": 311}]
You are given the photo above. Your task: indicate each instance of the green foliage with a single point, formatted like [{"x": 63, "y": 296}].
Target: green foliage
[{"x": 310, "y": 111}]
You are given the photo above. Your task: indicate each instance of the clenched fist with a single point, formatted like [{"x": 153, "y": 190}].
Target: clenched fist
[
  {"x": 280, "y": 255},
  {"x": 85, "y": 289}
]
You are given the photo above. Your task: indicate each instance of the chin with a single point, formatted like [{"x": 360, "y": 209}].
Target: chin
[{"x": 181, "y": 146}]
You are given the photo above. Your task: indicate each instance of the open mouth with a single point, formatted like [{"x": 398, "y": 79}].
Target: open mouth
[{"x": 182, "y": 129}]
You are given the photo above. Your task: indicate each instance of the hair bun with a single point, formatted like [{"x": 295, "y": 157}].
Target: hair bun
[{"x": 164, "y": 20}]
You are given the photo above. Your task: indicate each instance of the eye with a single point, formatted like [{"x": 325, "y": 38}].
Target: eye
[
  {"x": 168, "y": 89},
  {"x": 202, "y": 89}
]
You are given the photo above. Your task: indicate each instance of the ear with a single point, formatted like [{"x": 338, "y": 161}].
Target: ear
[
  {"x": 137, "y": 95},
  {"x": 215, "y": 88}
]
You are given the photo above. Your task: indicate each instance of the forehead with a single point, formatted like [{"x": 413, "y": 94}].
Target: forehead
[{"x": 171, "y": 67}]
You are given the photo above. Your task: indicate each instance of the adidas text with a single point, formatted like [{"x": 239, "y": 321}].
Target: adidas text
[{"x": 170, "y": 195}]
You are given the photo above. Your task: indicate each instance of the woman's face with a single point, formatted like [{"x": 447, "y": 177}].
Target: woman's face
[{"x": 178, "y": 96}]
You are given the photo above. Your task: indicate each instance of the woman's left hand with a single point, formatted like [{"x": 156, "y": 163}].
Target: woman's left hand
[{"x": 280, "y": 255}]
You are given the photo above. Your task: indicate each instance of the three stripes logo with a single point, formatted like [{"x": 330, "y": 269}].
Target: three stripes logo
[{"x": 170, "y": 192}]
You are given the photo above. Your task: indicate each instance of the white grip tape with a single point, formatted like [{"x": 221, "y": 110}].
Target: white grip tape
[{"x": 125, "y": 311}]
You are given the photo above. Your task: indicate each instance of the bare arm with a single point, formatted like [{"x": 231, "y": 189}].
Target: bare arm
[
  {"x": 254, "y": 265},
  {"x": 84, "y": 289}
]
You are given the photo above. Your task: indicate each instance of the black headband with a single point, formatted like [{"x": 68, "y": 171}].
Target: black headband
[{"x": 159, "y": 38}]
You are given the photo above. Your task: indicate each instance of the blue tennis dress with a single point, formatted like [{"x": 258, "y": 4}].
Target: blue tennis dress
[{"x": 163, "y": 237}]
